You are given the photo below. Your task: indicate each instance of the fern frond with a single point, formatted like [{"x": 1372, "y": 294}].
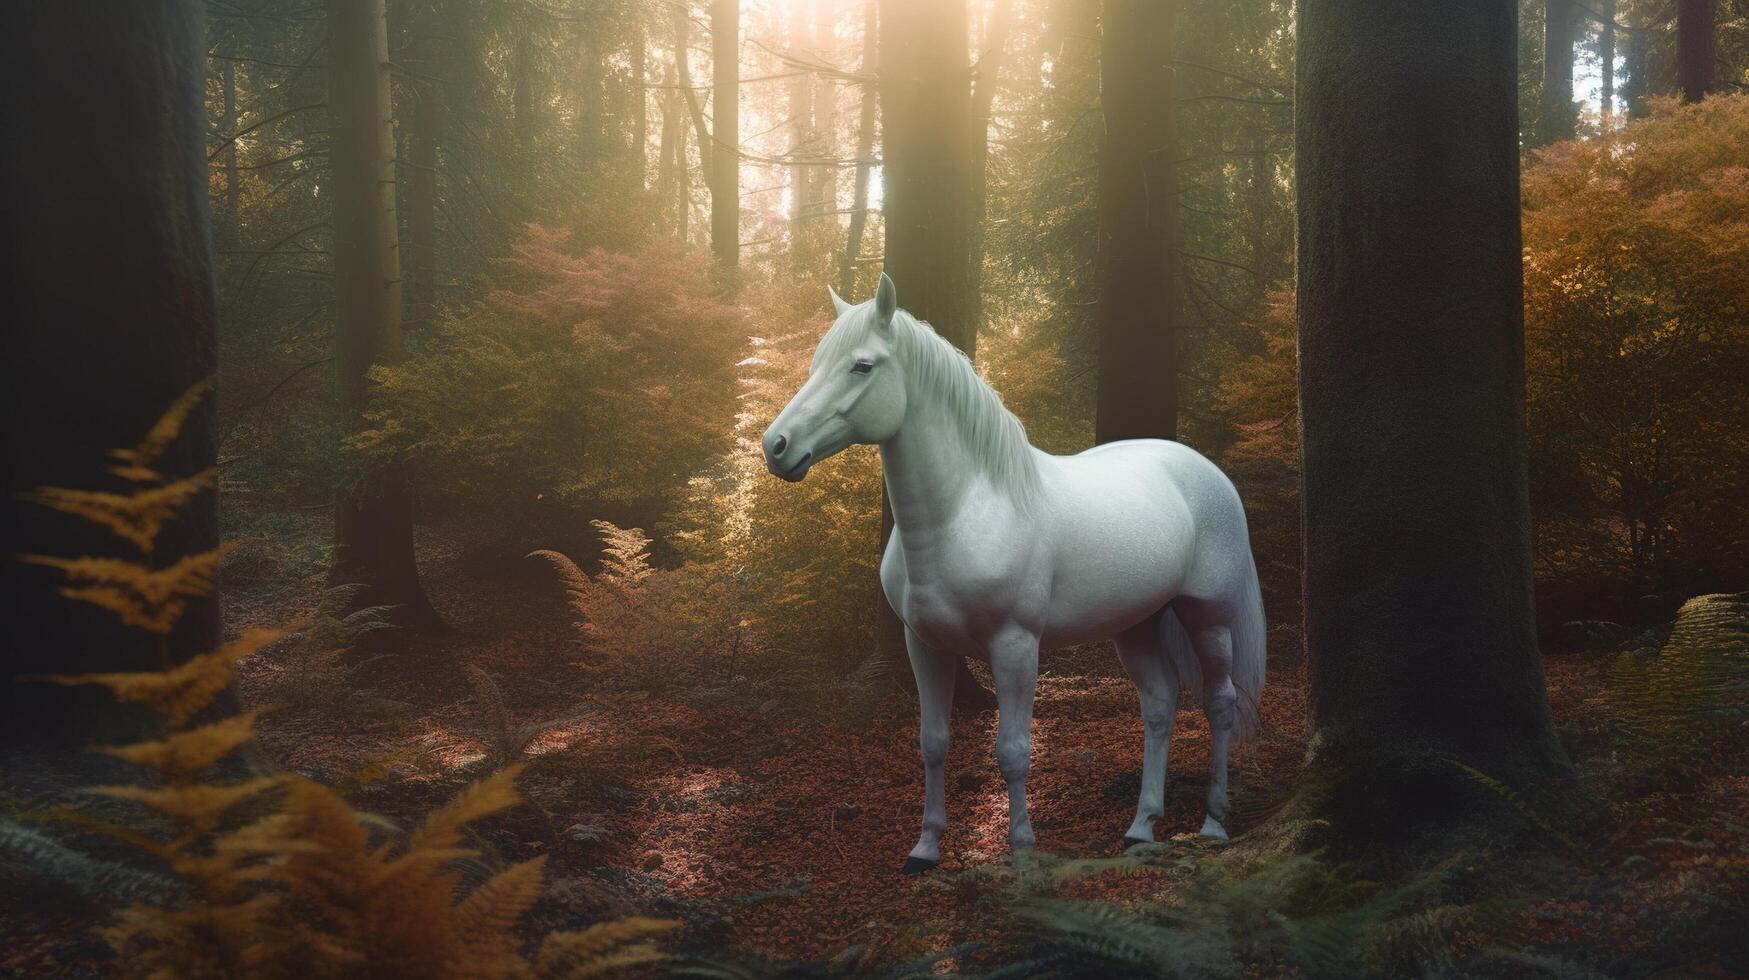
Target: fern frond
[
  {"x": 198, "y": 805},
  {"x": 37, "y": 853},
  {"x": 183, "y": 690},
  {"x": 135, "y": 464},
  {"x": 603, "y": 948},
  {"x": 442, "y": 830},
  {"x": 148, "y": 598},
  {"x": 184, "y": 754},
  {"x": 136, "y": 517},
  {"x": 491, "y": 910}
]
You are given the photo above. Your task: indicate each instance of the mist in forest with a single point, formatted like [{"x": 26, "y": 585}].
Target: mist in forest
[{"x": 399, "y": 581}]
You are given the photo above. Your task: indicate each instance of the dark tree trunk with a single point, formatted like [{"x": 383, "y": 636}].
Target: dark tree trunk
[
  {"x": 984, "y": 81},
  {"x": 109, "y": 320},
  {"x": 926, "y": 113},
  {"x": 420, "y": 173},
  {"x": 725, "y": 153},
  {"x": 1637, "y": 62},
  {"x": 865, "y": 138},
  {"x": 1418, "y": 618},
  {"x": 1694, "y": 48},
  {"x": 373, "y": 521},
  {"x": 1140, "y": 293},
  {"x": 1558, "y": 116}
]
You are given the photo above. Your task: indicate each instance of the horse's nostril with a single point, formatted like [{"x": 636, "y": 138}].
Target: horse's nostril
[{"x": 779, "y": 445}]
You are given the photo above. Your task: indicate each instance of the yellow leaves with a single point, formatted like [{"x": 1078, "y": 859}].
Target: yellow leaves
[
  {"x": 188, "y": 753},
  {"x": 183, "y": 690},
  {"x": 138, "y": 516},
  {"x": 151, "y": 599},
  {"x": 603, "y": 948}
]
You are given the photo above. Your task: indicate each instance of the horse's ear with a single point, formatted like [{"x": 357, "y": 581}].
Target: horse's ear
[
  {"x": 886, "y": 300},
  {"x": 838, "y": 305}
]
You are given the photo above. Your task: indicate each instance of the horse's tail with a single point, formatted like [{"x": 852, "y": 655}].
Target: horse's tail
[
  {"x": 1250, "y": 653},
  {"x": 1250, "y": 649}
]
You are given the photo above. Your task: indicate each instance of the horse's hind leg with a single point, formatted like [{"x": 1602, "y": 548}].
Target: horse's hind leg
[
  {"x": 1143, "y": 659},
  {"x": 1214, "y": 654}
]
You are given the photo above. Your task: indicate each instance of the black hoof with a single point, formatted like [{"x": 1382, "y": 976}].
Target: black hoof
[
  {"x": 1129, "y": 842},
  {"x": 917, "y": 865}
]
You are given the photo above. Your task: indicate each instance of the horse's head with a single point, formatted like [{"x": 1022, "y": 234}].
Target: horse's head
[{"x": 855, "y": 392}]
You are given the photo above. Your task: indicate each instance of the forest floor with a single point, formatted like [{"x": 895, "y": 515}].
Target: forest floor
[{"x": 773, "y": 822}]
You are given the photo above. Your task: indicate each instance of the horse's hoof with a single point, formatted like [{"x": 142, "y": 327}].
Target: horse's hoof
[
  {"x": 1212, "y": 828},
  {"x": 917, "y": 865},
  {"x": 1129, "y": 842}
]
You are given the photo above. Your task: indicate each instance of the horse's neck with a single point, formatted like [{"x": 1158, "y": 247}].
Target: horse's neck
[{"x": 927, "y": 468}]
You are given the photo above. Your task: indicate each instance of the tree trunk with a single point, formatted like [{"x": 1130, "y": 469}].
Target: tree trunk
[
  {"x": 1694, "y": 48},
  {"x": 823, "y": 183},
  {"x": 1637, "y": 62},
  {"x": 640, "y": 99},
  {"x": 984, "y": 82},
  {"x": 373, "y": 522},
  {"x": 1558, "y": 116},
  {"x": 1418, "y": 618},
  {"x": 420, "y": 248},
  {"x": 865, "y": 137},
  {"x": 926, "y": 112},
  {"x": 683, "y": 171},
  {"x": 726, "y": 139},
  {"x": 801, "y": 135},
  {"x": 110, "y": 299},
  {"x": 590, "y": 96},
  {"x": 1140, "y": 291}
]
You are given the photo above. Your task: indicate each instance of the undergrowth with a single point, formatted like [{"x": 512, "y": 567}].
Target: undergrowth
[{"x": 250, "y": 874}]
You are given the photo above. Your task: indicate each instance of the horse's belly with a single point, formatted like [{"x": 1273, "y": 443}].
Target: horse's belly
[{"x": 1120, "y": 558}]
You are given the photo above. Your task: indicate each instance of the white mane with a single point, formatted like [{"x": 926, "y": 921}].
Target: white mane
[{"x": 995, "y": 440}]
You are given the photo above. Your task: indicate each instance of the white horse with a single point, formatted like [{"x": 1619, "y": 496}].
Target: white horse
[{"x": 1000, "y": 549}]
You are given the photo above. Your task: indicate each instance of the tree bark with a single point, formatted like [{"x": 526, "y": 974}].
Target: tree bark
[
  {"x": 865, "y": 138},
  {"x": 801, "y": 133},
  {"x": 726, "y": 137},
  {"x": 1418, "y": 617},
  {"x": 110, "y": 302},
  {"x": 1694, "y": 48},
  {"x": 1558, "y": 116},
  {"x": 1140, "y": 293},
  {"x": 373, "y": 522}
]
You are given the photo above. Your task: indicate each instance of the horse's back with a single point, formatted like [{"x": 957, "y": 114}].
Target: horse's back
[{"x": 1138, "y": 523}]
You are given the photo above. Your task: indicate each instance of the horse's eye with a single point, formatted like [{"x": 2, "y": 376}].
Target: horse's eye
[{"x": 862, "y": 367}]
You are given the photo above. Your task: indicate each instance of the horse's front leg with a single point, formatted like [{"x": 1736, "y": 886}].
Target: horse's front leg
[
  {"x": 1014, "y": 662},
  {"x": 935, "y": 675}
]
